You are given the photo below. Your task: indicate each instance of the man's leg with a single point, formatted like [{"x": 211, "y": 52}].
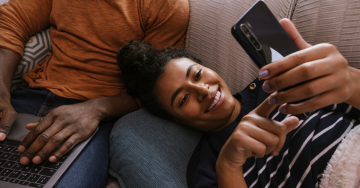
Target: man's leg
[{"x": 90, "y": 169}]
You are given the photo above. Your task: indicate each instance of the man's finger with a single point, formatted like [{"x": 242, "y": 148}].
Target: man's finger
[
  {"x": 52, "y": 143},
  {"x": 30, "y": 126},
  {"x": 34, "y": 133},
  {"x": 264, "y": 109},
  {"x": 294, "y": 33},
  {"x": 65, "y": 148},
  {"x": 7, "y": 119}
]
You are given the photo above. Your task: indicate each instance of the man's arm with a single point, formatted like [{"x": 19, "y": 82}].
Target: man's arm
[
  {"x": 8, "y": 64},
  {"x": 113, "y": 107},
  {"x": 164, "y": 22},
  {"x": 21, "y": 19},
  {"x": 18, "y": 21}
]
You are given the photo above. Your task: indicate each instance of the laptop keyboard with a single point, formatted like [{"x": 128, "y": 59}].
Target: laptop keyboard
[{"x": 11, "y": 170}]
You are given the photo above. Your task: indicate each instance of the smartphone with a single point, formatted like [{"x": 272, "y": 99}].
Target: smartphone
[{"x": 262, "y": 36}]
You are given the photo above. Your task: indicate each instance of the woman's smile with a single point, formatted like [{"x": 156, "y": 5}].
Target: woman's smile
[
  {"x": 216, "y": 101},
  {"x": 196, "y": 95}
]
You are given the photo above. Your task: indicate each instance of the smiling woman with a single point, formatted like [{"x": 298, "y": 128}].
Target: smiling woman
[{"x": 173, "y": 84}]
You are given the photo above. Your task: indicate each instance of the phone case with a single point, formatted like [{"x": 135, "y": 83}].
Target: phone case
[{"x": 266, "y": 40}]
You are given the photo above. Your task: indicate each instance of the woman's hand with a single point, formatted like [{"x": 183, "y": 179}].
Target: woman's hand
[
  {"x": 328, "y": 77},
  {"x": 256, "y": 135},
  {"x": 69, "y": 123}
]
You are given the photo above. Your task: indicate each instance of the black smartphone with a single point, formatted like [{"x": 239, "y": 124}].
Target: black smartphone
[{"x": 262, "y": 36}]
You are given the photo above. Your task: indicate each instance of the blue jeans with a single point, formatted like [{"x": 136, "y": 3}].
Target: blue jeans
[{"x": 90, "y": 169}]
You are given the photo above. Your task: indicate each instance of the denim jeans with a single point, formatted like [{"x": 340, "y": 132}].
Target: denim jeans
[{"x": 90, "y": 169}]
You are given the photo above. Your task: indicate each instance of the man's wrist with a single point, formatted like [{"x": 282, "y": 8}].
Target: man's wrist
[
  {"x": 113, "y": 107},
  {"x": 98, "y": 110},
  {"x": 5, "y": 94}
]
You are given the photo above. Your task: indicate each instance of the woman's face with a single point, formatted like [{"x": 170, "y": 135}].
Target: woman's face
[{"x": 195, "y": 95}]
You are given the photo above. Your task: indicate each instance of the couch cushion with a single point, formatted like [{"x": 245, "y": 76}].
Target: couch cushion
[
  {"x": 36, "y": 51},
  {"x": 147, "y": 151},
  {"x": 209, "y": 37},
  {"x": 335, "y": 22}
]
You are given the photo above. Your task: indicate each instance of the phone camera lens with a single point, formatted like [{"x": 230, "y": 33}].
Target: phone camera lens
[{"x": 252, "y": 39}]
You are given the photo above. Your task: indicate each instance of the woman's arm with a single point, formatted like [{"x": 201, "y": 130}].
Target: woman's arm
[
  {"x": 256, "y": 135},
  {"x": 229, "y": 176},
  {"x": 354, "y": 99}
]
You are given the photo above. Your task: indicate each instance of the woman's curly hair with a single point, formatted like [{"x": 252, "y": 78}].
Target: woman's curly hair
[{"x": 141, "y": 65}]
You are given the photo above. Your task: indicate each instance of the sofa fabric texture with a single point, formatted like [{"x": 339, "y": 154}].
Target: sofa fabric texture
[{"x": 335, "y": 22}]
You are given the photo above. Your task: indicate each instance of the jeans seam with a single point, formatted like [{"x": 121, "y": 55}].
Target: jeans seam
[{"x": 42, "y": 109}]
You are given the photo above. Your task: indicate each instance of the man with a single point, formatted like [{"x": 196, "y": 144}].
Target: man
[{"x": 80, "y": 84}]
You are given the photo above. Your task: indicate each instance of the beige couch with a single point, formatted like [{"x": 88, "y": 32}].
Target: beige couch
[{"x": 209, "y": 38}]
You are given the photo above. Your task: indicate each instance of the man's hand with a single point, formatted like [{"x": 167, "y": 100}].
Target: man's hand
[
  {"x": 256, "y": 135},
  {"x": 70, "y": 124},
  {"x": 7, "y": 117},
  {"x": 328, "y": 77}
]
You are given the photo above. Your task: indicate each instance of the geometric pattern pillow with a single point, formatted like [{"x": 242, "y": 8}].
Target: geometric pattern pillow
[{"x": 37, "y": 50}]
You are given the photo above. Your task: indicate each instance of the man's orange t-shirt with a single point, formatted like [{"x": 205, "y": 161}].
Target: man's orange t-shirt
[{"x": 85, "y": 37}]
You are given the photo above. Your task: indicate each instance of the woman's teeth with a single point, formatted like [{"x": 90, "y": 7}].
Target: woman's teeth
[{"x": 217, "y": 97}]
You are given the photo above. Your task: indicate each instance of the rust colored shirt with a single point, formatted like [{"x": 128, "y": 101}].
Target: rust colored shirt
[{"x": 85, "y": 37}]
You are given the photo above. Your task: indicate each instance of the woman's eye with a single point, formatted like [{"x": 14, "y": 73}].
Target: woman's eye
[
  {"x": 184, "y": 99},
  {"x": 198, "y": 75}
]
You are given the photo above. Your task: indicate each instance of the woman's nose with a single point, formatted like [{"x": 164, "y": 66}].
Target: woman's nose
[{"x": 202, "y": 90}]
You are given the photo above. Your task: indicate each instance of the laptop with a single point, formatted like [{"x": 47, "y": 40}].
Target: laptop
[{"x": 15, "y": 175}]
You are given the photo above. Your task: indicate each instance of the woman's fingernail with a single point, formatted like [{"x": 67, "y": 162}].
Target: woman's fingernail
[
  {"x": 263, "y": 73},
  {"x": 283, "y": 110},
  {"x": 272, "y": 100},
  {"x": 277, "y": 154},
  {"x": 266, "y": 87}
]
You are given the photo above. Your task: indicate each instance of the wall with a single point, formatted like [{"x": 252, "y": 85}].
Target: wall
[{"x": 3, "y": 1}]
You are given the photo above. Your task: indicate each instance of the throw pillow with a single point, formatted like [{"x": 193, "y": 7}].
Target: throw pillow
[{"x": 37, "y": 50}]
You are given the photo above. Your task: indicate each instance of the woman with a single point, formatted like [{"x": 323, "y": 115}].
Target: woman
[{"x": 239, "y": 136}]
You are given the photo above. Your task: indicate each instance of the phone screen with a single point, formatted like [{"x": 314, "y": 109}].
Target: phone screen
[{"x": 262, "y": 36}]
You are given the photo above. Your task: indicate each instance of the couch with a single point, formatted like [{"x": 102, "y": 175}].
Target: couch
[{"x": 138, "y": 157}]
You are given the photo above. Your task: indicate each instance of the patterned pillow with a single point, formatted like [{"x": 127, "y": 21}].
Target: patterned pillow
[{"x": 37, "y": 50}]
